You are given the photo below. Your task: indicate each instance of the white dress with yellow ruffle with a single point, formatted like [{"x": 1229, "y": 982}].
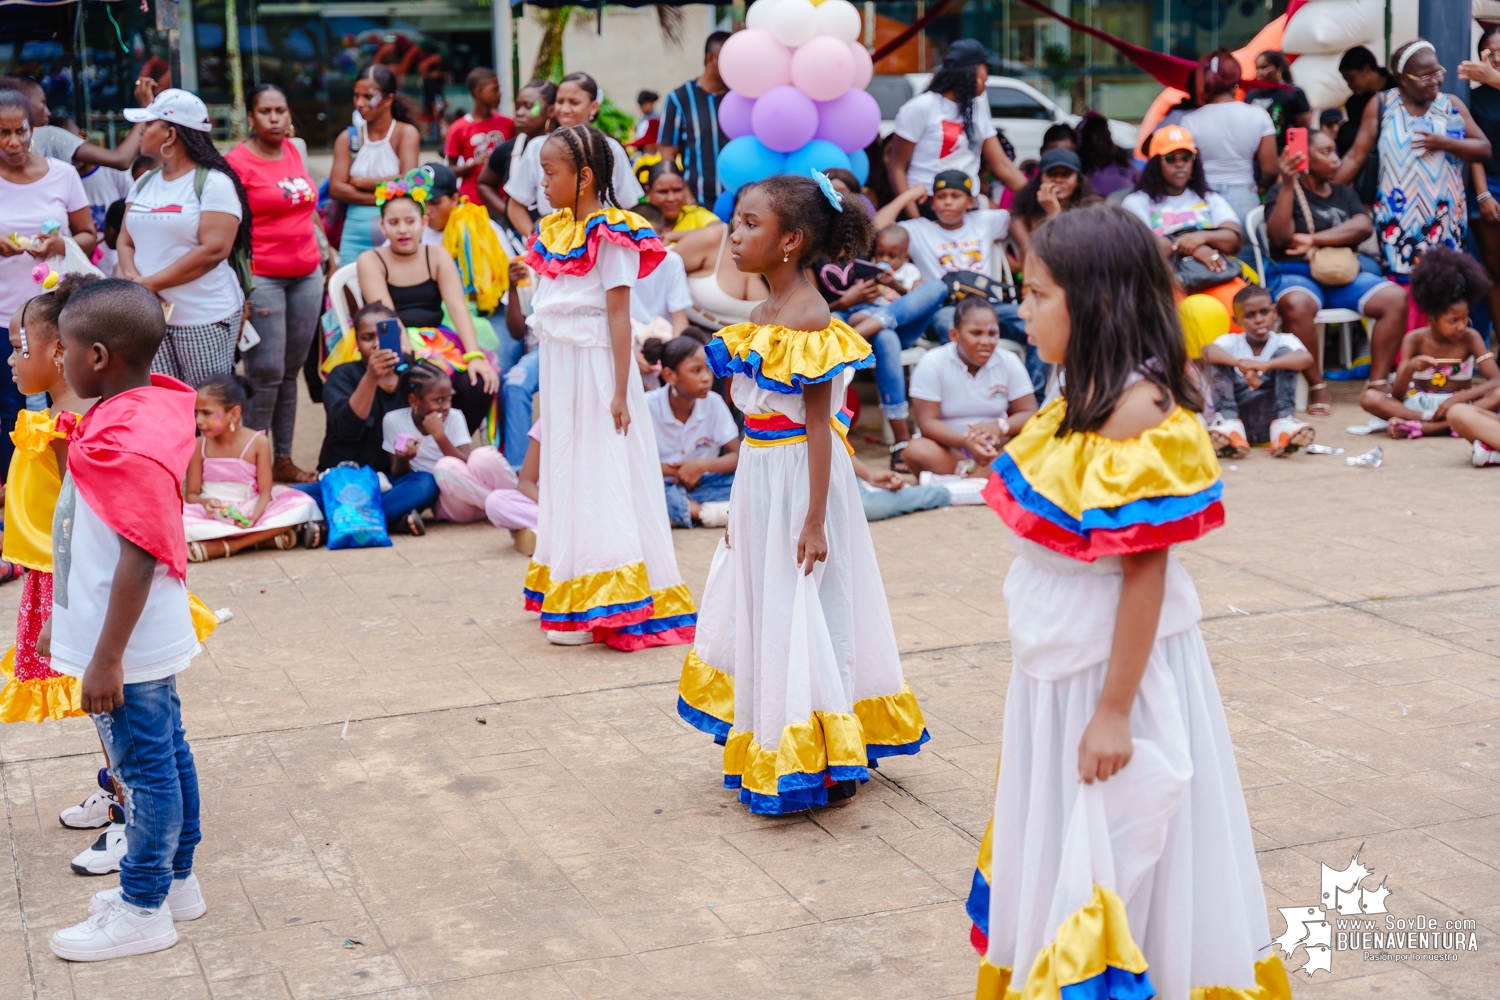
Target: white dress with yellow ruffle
[
  {"x": 1146, "y": 884},
  {"x": 604, "y": 559},
  {"x": 796, "y": 675}
]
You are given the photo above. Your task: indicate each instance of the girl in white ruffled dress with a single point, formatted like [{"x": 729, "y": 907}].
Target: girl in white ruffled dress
[
  {"x": 604, "y": 569},
  {"x": 1119, "y": 861},
  {"x": 795, "y": 668}
]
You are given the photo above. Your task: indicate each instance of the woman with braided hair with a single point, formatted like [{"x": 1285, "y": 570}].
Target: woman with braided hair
[
  {"x": 604, "y": 569},
  {"x": 184, "y": 222}
]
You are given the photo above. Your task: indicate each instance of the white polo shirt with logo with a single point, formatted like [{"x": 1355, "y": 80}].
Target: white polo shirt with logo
[{"x": 942, "y": 377}]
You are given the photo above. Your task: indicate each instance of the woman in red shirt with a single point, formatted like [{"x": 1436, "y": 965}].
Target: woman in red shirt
[{"x": 288, "y": 294}]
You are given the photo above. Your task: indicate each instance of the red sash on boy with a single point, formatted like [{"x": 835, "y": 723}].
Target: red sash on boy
[{"x": 128, "y": 456}]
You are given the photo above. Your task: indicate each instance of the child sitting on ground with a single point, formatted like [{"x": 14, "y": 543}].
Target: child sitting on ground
[
  {"x": 969, "y": 397},
  {"x": 231, "y": 504},
  {"x": 893, "y": 254},
  {"x": 121, "y": 618},
  {"x": 696, "y": 437},
  {"x": 1255, "y": 377},
  {"x": 1438, "y": 360}
]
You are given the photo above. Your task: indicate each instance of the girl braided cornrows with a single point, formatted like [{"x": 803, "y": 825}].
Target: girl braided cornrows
[
  {"x": 419, "y": 379},
  {"x": 589, "y": 148}
]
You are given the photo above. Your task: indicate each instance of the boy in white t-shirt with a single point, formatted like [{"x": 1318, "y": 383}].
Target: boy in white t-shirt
[
  {"x": 697, "y": 440},
  {"x": 121, "y": 618},
  {"x": 969, "y": 397},
  {"x": 1255, "y": 376}
]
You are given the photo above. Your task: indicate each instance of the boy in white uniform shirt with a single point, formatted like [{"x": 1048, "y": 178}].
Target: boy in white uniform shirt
[
  {"x": 697, "y": 440},
  {"x": 1256, "y": 371},
  {"x": 969, "y": 397}
]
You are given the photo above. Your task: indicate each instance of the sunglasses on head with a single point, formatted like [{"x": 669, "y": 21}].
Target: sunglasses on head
[{"x": 1178, "y": 156}]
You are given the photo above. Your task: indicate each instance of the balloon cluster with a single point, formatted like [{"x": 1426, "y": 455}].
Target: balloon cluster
[{"x": 796, "y": 101}]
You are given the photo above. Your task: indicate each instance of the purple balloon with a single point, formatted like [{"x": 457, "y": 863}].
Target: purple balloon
[
  {"x": 850, "y": 121},
  {"x": 734, "y": 114},
  {"x": 784, "y": 118}
]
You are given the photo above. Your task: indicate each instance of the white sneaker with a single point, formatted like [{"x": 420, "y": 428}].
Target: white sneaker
[
  {"x": 714, "y": 514},
  {"x": 1288, "y": 434},
  {"x": 570, "y": 638},
  {"x": 90, "y": 814},
  {"x": 184, "y": 899},
  {"x": 115, "y": 931},
  {"x": 1228, "y": 438},
  {"x": 1484, "y": 455},
  {"x": 105, "y": 854}
]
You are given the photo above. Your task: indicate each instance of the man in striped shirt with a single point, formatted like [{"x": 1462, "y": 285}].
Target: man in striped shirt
[{"x": 690, "y": 125}]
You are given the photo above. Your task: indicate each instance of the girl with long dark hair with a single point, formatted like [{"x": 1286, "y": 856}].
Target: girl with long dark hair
[
  {"x": 381, "y": 145},
  {"x": 183, "y": 222},
  {"x": 1115, "y": 750}
]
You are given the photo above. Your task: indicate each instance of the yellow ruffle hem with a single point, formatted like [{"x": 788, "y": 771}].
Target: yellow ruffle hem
[
  {"x": 607, "y": 599},
  {"x": 1095, "y": 941},
  {"x": 31, "y": 491},
  {"x": 784, "y": 360},
  {"x": 1087, "y": 472},
  {"x": 60, "y": 696}
]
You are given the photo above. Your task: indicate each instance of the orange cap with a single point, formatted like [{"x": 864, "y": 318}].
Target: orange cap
[{"x": 1170, "y": 140}]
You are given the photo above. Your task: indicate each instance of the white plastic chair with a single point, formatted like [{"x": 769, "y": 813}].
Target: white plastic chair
[{"x": 344, "y": 279}]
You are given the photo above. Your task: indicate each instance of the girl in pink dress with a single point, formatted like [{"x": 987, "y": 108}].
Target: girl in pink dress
[{"x": 230, "y": 502}]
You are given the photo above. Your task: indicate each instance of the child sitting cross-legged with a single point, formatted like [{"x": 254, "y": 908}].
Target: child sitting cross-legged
[
  {"x": 419, "y": 435},
  {"x": 696, "y": 438},
  {"x": 1438, "y": 360},
  {"x": 230, "y": 502},
  {"x": 1255, "y": 377},
  {"x": 969, "y": 396}
]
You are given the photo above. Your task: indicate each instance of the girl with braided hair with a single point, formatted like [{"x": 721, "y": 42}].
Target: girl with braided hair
[
  {"x": 184, "y": 222},
  {"x": 604, "y": 567},
  {"x": 795, "y": 671}
]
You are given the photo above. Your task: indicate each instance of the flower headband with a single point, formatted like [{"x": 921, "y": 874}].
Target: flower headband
[
  {"x": 416, "y": 185},
  {"x": 828, "y": 192}
]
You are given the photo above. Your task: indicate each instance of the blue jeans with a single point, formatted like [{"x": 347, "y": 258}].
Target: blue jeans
[
  {"x": 712, "y": 487},
  {"x": 519, "y": 384},
  {"x": 1255, "y": 408},
  {"x": 881, "y": 504},
  {"x": 151, "y": 761},
  {"x": 902, "y": 322},
  {"x": 12, "y": 402},
  {"x": 413, "y": 491}
]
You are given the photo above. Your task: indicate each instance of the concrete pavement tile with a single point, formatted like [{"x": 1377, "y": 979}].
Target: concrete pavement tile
[
  {"x": 832, "y": 958},
  {"x": 724, "y": 970},
  {"x": 1478, "y": 838},
  {"x": 850, "y": 878},
  {"x": 175, "y": 988},
  {"x": 608, "y": 979},
  {"x": 527, "y": 984},
  {"x": 359, "y": 976}
]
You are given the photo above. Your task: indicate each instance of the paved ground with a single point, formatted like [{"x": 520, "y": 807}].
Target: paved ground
[{"x": 409, "y": 794}]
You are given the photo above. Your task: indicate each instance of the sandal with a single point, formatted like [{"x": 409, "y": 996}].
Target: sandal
[
  {"x": 1319, "y": 409},
  {"x": 312, "y": 535},
  {"x": 414, "y": 524},
  {"x": 898, "y": 464},
  {"x": 11, "y": 571},
  {"x": 198, "y": 552},
  {"x": 286, "y": 540},
  {"x": 1410, "y": 429},
  {"x": 284, "y": 470}
]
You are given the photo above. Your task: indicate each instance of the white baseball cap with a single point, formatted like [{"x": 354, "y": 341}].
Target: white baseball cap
[{"x": 175, "y": 107}]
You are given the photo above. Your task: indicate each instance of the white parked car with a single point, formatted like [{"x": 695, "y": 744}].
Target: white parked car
[{"x": 1021, "y": 111}]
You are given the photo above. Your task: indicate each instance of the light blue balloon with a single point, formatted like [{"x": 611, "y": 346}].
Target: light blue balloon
[
  {"x": 724, "y": 205},
  {"x": 859, "y": 162},
  {"x": 820, "y": 154},
  {"x": 746, "y": 160}
]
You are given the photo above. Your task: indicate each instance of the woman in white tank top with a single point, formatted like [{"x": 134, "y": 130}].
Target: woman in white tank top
[{"x": 362, "y": 161}]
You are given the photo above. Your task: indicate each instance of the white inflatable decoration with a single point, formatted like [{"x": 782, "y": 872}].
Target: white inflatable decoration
[{"x": 1321, "y": 31}]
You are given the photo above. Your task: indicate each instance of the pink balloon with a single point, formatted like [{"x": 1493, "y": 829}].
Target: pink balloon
[
  {"x": 734, "y": 114},
  {"x": 864, "y": 69},
  {"x": 753, "y": 61},
  {"x": 785, "y": 119},
  {"x": 850, "y": 121},
  {"x": 823, "y": 68}
]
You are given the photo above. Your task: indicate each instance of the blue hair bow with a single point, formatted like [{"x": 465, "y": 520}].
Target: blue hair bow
[{"x": 828, "y": 192}]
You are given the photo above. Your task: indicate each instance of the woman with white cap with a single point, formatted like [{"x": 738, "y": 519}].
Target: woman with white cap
[{"x": 183, "y": 221}]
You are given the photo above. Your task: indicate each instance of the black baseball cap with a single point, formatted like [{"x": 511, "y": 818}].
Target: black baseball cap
[
  {"x": 1060, "y": 156},
  {"x": 967, "y": 52},
  {"x": 953, "y": 179},
  {"x": 444, "y": 180}
]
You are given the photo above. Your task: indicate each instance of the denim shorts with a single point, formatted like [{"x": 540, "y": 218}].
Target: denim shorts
[{"x": 1285, "y": 276}]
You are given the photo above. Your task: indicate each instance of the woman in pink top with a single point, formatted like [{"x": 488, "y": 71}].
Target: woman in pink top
[
  {"x": 33, "y": 192},
  {"x": 288, "y": 293}
]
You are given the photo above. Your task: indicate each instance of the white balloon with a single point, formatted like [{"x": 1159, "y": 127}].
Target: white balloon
[
  {"x": 839, "y": 19},
  {"x": 793, "y": 22},
  {"x": 759, "y": 13}
]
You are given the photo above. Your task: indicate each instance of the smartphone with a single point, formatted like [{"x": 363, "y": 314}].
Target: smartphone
[
  {"x": 390, "y": 340},
  {"x": 1296, "y": 142},
  {"x": 863, "y": 270}
]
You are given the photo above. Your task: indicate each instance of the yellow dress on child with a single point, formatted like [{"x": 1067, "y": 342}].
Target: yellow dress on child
[
  {"x": 797, "y": 675},
  {"x": 34, "y": 692}
]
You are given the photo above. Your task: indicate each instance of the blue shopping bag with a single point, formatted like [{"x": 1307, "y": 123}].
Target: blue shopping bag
[{"x": 351, "y": 503}]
